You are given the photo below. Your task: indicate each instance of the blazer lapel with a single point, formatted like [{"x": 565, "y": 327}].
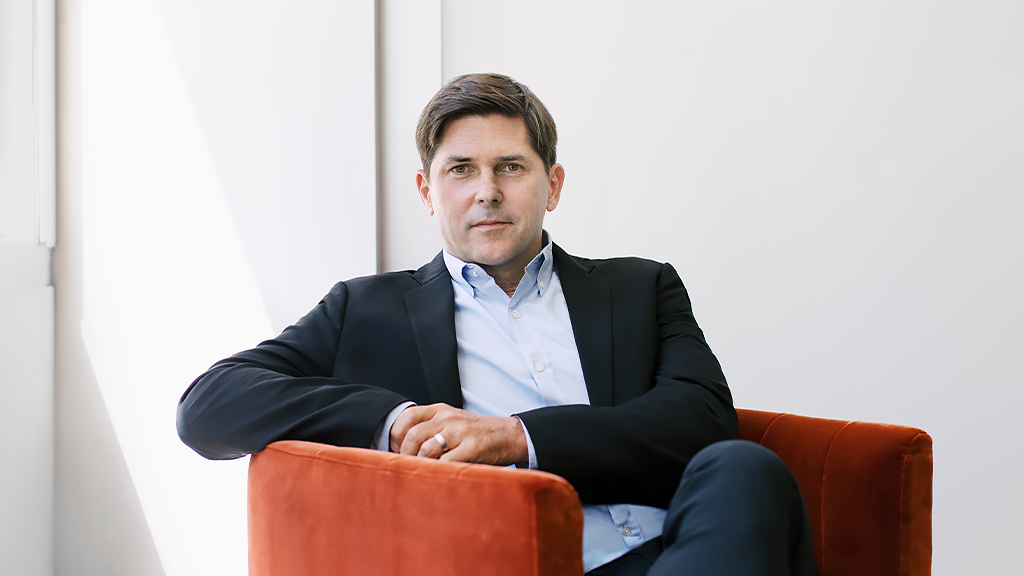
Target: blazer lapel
[
  {"x": 432, "y": 313},
  {"x": 590, "y": 311}
]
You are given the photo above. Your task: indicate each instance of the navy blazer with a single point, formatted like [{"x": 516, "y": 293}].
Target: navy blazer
[{"x": 657, "y": 392}]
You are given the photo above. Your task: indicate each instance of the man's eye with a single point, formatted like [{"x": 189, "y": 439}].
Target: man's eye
[
  {"x": 513, "y": 167},
  {"x": 460, "y": 169}
]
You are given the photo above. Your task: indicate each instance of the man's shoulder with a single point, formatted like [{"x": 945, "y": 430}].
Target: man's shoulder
[
  {"x": 620, "y": 261},
  {"x": 615, "y": 265},
  {"x": 397, "y": 277},
  {"x": 400, "y": 280}
]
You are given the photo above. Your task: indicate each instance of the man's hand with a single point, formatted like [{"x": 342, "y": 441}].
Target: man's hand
[{"x": 470, "y": 437}]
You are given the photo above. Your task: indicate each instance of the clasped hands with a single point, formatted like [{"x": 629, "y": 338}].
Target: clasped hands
[{"x": 470, "y": 437}]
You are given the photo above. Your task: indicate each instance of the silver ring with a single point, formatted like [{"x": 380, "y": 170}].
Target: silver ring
[{"x": 440, "y": 440}]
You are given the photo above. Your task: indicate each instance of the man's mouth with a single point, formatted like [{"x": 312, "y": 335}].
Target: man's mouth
[{"x": 490, "y": 224}]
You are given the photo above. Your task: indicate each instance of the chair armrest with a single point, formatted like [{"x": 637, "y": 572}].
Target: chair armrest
[
  {"x": 318, "y": 509},
  {"x": 868, "y": 489}
]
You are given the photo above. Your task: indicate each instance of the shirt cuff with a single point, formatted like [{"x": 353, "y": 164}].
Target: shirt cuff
[
  {"x": 383, "y": 439},
  {"x": 532, "y": 458}
]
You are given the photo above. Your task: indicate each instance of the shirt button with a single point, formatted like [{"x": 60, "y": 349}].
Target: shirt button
[
  {"x": 515, "y": 314},
  {"x": 541, "y": 283},
  {"x": 539, "y": 367},
  {"x": 626, "y": 531}
]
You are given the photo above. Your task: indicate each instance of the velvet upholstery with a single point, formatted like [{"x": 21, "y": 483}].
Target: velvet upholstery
[
  {"x": 317, "y": 509},
  {"x": 867, "y": 487}
]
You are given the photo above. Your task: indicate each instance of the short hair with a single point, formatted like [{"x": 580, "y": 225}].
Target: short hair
[{"x": 479, "y": 95}]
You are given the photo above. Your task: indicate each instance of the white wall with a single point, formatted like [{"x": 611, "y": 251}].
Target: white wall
[
  {"x": 26, "y": 291},
  {"x": 409, "y": 72},
  {"x": 835, "y": 184},
  {"x": 839, "y": 186},
  {"x": 217, "y": 176}
]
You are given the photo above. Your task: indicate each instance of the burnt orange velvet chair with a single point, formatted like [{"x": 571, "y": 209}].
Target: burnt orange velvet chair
[{"x": 323, "y": 510}]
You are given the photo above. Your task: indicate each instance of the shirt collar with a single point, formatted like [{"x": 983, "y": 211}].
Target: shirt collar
[{"x": 538, "y": 271}]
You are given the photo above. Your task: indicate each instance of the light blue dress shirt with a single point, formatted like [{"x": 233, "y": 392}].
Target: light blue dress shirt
[{"x": 517, "y": 354}]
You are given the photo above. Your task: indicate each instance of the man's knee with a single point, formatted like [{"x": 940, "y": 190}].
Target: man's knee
[
  {"x": 739, "y": 457},
  {"x": 738, "y": 495},
  {"x": 738, "y": 483},
  {"x": 739, "y": 470}
]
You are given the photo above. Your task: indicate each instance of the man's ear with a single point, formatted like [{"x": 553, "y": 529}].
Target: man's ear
[
  {"x": 556, "y": 176},
  {"x": 424, "y": 188}
]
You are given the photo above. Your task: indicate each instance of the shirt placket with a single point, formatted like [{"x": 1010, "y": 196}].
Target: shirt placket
[
  {"x": 532, "y": 347},
  {"x": 628, "y": 527}
]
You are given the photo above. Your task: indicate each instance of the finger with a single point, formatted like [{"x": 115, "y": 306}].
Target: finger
[
  {"x": 409, "y": 417},
  {"x": 415, "y": 416},
  {"x": 419, "y": 437},
  {"x": 433, "y": 448},
  {"x": 465, "y": 451}
]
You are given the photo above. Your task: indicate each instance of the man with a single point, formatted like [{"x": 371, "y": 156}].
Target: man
[{"x": 506, "y": 350}]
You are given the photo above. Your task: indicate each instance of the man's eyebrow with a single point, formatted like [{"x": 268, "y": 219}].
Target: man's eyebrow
[{"x": 461, "y": 159}]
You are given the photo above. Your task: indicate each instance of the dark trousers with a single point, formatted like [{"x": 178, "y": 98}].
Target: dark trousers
[{"x": 737, "y": 512}]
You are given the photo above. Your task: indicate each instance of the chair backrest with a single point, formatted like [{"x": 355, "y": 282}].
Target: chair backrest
[
  {"x": 868, "y": 490},
  {"x": 316, "y": 510}
]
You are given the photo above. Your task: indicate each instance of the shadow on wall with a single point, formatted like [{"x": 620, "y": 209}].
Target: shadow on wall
[
  {"x": 290, "y": 145},
  {"x": 101, "y": 528}
]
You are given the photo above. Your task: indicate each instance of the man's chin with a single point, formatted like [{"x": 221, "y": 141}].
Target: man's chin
[
  {"x": 491, "y": 255},
  {"x": 495, "y": 254},
  {"x": 490, "y": 259}
]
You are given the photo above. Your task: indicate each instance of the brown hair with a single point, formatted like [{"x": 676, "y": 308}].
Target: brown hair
[{"x": 479, "y": 95}]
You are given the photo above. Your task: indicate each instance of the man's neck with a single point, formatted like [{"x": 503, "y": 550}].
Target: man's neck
[
  {"x": 506, "y": 279},
  {"x": 508, "y": 275}
]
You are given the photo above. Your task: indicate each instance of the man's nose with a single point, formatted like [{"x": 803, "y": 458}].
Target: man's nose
[{"x": 488, "y": 192}]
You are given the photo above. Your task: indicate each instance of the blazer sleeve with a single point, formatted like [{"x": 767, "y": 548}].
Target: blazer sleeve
[
  {"x": 635, "y": 451},
  {"x": 283, "y": 390}
]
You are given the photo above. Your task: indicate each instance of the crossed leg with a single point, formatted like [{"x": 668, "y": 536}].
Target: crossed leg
[{"x": 738, "y": 512}]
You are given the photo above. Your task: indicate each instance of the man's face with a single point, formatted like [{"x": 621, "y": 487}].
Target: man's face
[{"x": 489, "y": 190}]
